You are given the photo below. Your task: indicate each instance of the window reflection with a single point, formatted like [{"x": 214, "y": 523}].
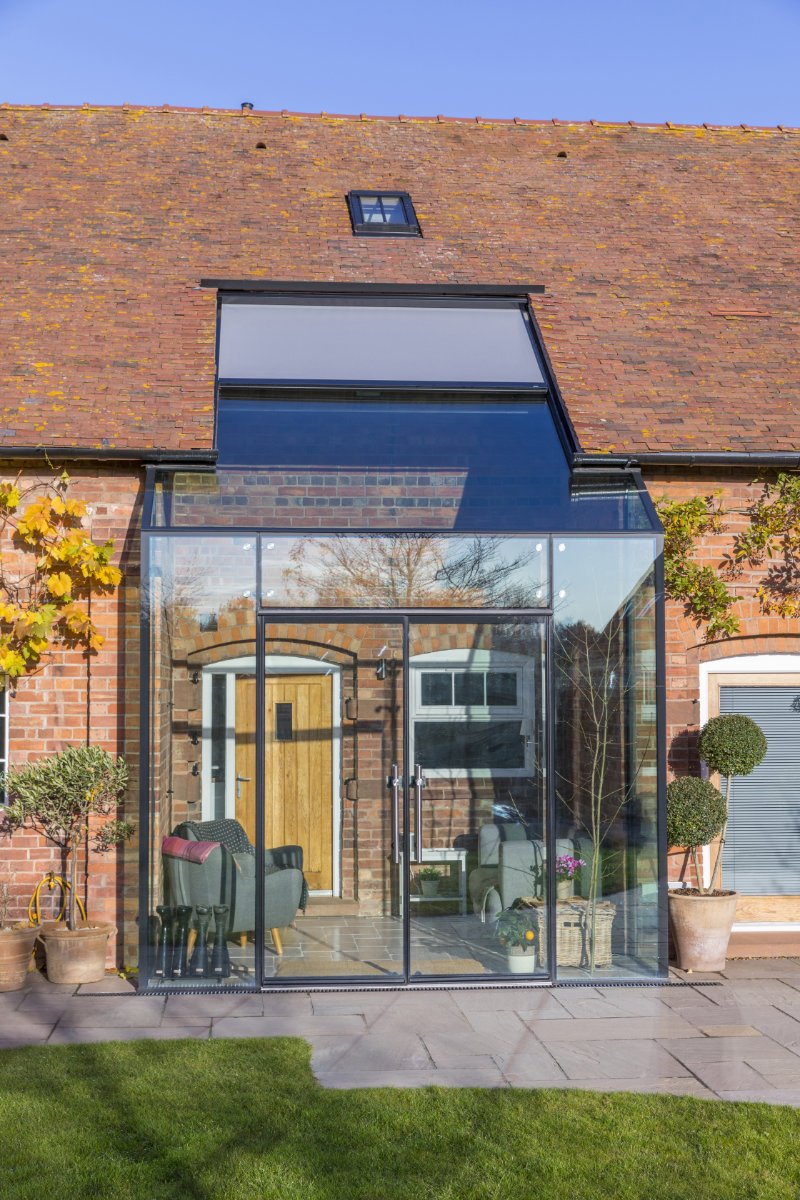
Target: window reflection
[{"x": 414, "y": 570}]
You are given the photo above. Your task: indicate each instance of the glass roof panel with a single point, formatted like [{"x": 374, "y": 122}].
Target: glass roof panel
[{"x": 472, "y": 466}]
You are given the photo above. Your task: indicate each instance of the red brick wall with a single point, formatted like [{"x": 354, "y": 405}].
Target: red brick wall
[
  {"x": 69, "y": 702},
  {"x": 686, "y": 647}
]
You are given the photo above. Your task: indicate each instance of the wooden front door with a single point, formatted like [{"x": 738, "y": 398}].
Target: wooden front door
[{"x": 298, "y": 770}]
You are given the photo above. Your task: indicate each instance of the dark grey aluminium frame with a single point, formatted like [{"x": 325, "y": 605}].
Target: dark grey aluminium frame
[
  {"x": 403, "y": 618},
  {"x": 362, "y": 228}
]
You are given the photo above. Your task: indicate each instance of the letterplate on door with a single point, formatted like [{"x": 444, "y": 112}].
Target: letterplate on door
[{"x": 283, "y": 723}]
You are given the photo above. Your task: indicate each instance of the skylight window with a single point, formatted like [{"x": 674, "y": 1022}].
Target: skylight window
[{"x": 383, "y": 214}]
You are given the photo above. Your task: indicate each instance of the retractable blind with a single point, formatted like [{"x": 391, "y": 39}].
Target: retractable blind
[
  {"x": 380, "y": 343},
  {"x": 762, "y": 847}
]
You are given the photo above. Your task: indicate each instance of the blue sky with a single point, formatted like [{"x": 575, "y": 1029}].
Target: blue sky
[{"x": 722, "y": 61}]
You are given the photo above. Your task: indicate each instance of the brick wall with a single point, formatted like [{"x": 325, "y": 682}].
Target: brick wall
[
  {"x": 686, "y": 647},
  {"x": 70, "y": 701}
]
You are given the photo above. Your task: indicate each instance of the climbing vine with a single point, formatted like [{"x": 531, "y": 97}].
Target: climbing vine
[
  {"x": 773, "y": 536},
  {"x": 50, "y": 568},
  {"x": 771, "y": 540},
  {"x": 703, "y": 591}
]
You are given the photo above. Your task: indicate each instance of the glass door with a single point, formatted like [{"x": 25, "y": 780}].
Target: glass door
[
  {"x": 478, "y": 885},
  {"x": 331, "y": 776}
]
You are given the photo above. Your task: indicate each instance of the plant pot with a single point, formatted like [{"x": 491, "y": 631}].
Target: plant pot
[
  {"x": 565, "y": 889},
  {"x": 521, "y": 961},
  {"x": 16, "y": 948},
  {"x": 429, "y": 887},
  {"x": 77, "y": 955},
  {"x": 701, "y": 929}
]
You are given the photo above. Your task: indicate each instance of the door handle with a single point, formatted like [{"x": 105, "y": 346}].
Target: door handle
[
  {"x": 393, "y": 783},
  {"x": 418, "y": 783},
  {"x": 240, "y": 779}
]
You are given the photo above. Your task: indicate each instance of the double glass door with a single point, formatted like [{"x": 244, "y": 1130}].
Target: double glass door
[{"x": 396, "y": 772}]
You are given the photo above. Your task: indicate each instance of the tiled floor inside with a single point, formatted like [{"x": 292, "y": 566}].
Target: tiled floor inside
[{"x": 333, "y": 946}]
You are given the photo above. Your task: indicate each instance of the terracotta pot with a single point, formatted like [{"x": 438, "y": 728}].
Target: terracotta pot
[
  {"x": 16, "y": 948},
  {"x": 701, "y": 929},
  {"x": 76, "y": 955},
  {"x": 521, "y": 961}
]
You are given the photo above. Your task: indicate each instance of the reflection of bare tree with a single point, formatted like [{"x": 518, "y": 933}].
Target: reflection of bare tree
[
  {"x": 410, "y": 570},
  {"x": 599, "y": 758}
]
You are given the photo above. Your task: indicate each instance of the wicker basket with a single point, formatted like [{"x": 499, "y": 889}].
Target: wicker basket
[{"x": 573, "y": 932}]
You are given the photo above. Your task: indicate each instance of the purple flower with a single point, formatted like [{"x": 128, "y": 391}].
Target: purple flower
[{"x": 567, "y": 867}]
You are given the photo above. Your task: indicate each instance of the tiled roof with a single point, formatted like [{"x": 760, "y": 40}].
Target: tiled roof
[{"x": 669, "y": 255}]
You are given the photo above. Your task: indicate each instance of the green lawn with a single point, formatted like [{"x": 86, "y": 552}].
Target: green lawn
[{"x": 240, "y": 1119}]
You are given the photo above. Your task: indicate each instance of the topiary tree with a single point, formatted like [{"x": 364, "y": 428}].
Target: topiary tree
[
  {"x": 58, "y": 795},
  {"x": 732, "y": 745},
  {"x": 696, "y": 814}
]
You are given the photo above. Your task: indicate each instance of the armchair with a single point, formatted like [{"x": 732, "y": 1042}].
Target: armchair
[{"x": 225, "y": 873}]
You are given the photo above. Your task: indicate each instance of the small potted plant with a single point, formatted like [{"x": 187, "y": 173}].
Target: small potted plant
[
  {"x": 516, "y": 934},
  {"x": 567, "y": 868},
  {"x": 429, "y": 880},
  {"x": 701, "y": 918},
  {"x": 58, "y": 797},
  {"x": 16, "y": 945}
]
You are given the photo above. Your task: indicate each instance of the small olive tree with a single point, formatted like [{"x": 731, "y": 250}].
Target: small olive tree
[
  {"x": 696, "y": 814},
  {"x": 57, "y": 797},
  {"x": 732, "y": 745}
]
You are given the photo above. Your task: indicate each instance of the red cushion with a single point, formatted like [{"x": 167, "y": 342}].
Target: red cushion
[{"x": 196, "y": 852}]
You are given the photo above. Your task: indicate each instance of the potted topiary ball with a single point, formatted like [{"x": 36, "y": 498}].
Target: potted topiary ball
[
  {"x": 60, "y": 797},
  {"x": 701, "y": 918}
]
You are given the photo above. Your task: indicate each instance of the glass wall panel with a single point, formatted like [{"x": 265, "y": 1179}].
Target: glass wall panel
[
  {"x": 478, "y": 885},
  {"x": 412, "y": 570},
  {"x": 200, "y": 596},
  {"x": 606, "y": 755}
]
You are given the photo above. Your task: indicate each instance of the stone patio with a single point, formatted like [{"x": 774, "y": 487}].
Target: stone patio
[{"x": 737, "y": 1040}]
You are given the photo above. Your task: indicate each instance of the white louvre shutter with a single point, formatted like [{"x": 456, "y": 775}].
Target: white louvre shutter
[{"x": 762, "y": 847}]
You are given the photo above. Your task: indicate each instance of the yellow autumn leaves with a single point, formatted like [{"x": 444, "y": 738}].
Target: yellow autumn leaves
[{"x": 48, "y": 598}]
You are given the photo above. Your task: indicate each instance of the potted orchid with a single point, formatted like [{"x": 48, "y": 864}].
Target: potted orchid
[{"x": 567, "y": 868}]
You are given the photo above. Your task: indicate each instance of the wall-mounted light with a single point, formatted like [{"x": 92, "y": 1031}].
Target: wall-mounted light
[
  {"x": 380, "y": 669},
  {"x": 195, "y": 676}
]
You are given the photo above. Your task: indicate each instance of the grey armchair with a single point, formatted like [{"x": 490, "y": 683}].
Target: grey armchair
[{"x": 228, "y": 876}]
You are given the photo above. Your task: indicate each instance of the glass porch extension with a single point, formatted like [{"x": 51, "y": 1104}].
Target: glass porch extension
[{"x": 403, "y": 695}]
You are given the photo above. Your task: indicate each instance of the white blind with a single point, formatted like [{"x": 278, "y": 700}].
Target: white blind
[
  {"x": 378, "y": 343},
  {"x": 762, "y": 845}
]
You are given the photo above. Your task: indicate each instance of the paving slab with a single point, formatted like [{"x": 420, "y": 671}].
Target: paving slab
[
  {"x": 616, "y": 1060},
  {"x": 539, "y": 1002},
  {"x": 683, "y": 1085},
  {"x": 303, "y": 1026},
  {"x": 80, "y": 1035},
  {"x": 400, "y": 1052},
  {"x": 111, "y": 985},
  {"x": 788, "y": 1096},
  {"x": 624, "y": 1029},
  {"x": 487, "y": 1077},
  {"x": 141, "y": 1012},
  {"x": 692, "y": 1051},
  {"x": 190, "y": 1010},
  {"x": 732, "y": 1076}
]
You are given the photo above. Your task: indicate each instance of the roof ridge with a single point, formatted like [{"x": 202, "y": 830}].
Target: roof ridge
[{"x": 400, "y": 117}]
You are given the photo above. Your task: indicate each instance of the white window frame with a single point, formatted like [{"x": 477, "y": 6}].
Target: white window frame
[
  {"x": 482, "y": 661},
  {"x": 274, "y": 664}
]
